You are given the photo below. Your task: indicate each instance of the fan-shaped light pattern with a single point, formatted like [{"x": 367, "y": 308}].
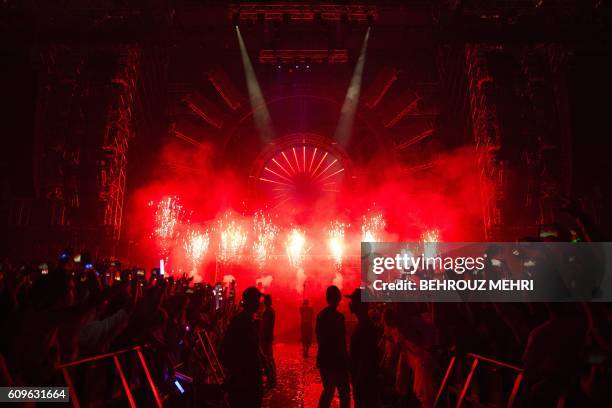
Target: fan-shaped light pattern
[{"x": 301, "y": 174}]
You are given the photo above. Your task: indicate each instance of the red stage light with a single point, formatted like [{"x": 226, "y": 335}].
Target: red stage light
[
  {"x": 206, "y": 110},
  {"x": 405, "y": 104},
  {"x": 226, "y": 89},
  {"x": 303, "y": 12},
  {"x": 287, "y": 56},
  {"x": 379, "y": 88}
]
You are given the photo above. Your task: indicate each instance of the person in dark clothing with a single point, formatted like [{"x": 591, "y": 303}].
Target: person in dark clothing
[
  {"x": 553, "y": 352},
  {"x": 332, "y": 356},
  {"x": 268, "y": 319},
  {"x": 240, "y": 354},
  {"x": 306, "y": 318},
  {"x": 364, "y": 355}
]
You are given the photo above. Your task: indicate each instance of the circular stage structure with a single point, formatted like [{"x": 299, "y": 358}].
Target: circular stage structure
[{"x": 299, "y": 170}]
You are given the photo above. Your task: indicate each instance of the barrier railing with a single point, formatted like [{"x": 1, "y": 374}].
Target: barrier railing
[
  {"x": 210, "y": 353},
  {"x": 475, "y": 363},
  {"x": 124, "y": 382}
]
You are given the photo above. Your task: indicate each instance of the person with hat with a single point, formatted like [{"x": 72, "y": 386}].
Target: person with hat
[
  {"x": 240, "y": 354},
  {"x": 364, "y": 354},
  {"x": 332, "y": 356}
]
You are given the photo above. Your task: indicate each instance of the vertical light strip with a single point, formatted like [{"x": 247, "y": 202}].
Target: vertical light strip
[
  {"x": 261, "y": 115},
  {"x": 351, "y": 100}
]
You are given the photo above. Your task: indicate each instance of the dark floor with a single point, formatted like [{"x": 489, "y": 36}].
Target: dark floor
[{"x": 299, "y": 384}]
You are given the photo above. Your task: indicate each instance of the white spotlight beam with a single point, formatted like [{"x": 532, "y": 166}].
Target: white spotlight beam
[
  {"x": 261, "y": 115},
  {"x": 351, "y": 100}
]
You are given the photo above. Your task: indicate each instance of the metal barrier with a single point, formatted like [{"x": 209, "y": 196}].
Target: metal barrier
[
  {"x": 124, "y": 382},
  {"x": 210, "y": 353},
  {"x": 477, "y": 359}
]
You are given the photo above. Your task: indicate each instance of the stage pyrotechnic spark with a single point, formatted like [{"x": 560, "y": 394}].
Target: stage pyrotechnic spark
[
  {"x": 372, "y": 227},
  {"x": 265, "y": 233},
  {"x": 196, "y": 244},
  {"x": 296, "y": 247},
  {"x": 336, "y": 242},
  {"x": 169, "y": 214},
  {"x": 232, "y": 241},
  {"x": 296, "y": 252},
  {"x": 430, "y": 238},
  {"x": 349, "y": 107}
]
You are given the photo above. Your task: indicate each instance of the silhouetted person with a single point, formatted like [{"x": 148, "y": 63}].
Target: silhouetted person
[
  {"x": 364, "y": 355},
  {"x": 306, "y": 319},
  {"x": 267, "y": 339},
  {"x": 332, "y": 357},
  {"x": 240, "y": 354},
  {"x": 553, "y": 352}
]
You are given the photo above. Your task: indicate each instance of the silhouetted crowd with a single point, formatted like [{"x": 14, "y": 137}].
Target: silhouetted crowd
[
  {"x": 202, "y": 344},
  {"x": 76, "y": 308},
  {"x": 384, "y": 354},
  {"x": 397, "y": 354},
  {"x": 439, "y": 354}
]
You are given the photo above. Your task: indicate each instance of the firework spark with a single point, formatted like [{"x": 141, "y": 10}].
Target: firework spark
[
  {"x": 372, "y": 228},
  {"x": 335, "y": 242},
  {"x": 232, "y": 240},
  {"x": 196, "y": 245},
  {"x": 430, "y": 238},
  {"x": 296, "y": 253},
  {"x": 169, "y": 215},
  {"x": 265, "y": 233},
  {"x": 296, "y": 247},
  {"x": 432, "y": 235}
]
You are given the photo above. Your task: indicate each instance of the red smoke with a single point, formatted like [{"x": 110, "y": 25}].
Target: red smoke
[{"x": 446, "y": 197}]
